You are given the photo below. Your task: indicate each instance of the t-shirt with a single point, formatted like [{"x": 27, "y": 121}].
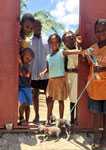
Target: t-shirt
[
  {"x": 24, "y": 80},
  {"x": 56, "y": 64},
  {"x": 39, "y": 63}
]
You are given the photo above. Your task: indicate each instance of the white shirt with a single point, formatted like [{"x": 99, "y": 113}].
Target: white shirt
[{"x": 39, "y": 62}]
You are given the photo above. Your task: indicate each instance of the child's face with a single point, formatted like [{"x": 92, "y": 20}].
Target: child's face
[
  {"x": 100, "y": 32},
  {"x": 28, "y": 26},
  {"x": 27, "y": 57},
  {"x": 69, "y": 42},
  {"x": 37, "y": 28},
  {"x": 54, "y": 44}
]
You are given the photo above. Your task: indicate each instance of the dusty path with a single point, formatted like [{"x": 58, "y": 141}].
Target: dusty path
[
  {"x": 43, "y": 109},
  {"x": 31, "y": 142}
]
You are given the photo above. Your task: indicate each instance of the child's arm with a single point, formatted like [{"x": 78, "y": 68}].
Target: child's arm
[
  {"x": 72, "y": 52},
  {"x": 90, "y": 54},
  {"x": 44, "y": 72}
]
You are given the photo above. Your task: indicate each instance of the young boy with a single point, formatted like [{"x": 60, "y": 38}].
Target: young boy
[
  {"x": 25, "y": 91},
  {"x": 69, "y": 40}
]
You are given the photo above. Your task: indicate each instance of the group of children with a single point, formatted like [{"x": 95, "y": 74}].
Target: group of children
[
  {"x": 27, "y": 30},
  {"x": 57, "y": 88}
]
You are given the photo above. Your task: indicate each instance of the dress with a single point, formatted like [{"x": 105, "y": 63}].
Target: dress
[
  {"x": 97, "y": 87},
  {"x": 57, "y": 85}
]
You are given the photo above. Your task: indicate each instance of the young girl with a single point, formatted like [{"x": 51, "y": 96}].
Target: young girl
[
  {"x": 25, "y": 91},
  {"x": 27, "y": 22},
  {"x": 57, "y": 87},
  {"x": 97, "y": 76}
]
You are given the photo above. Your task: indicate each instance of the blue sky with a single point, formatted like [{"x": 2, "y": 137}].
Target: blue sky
[
  {"x": 64, "y": 11},
  {"x": 35, "y": 5}
]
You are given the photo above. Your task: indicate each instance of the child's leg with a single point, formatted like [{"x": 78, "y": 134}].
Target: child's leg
[
  {"x": 97, "y": 124},
  {"x": 21, "y": 112},
  {"x": 36, "y": 104},
  {"x": 27, "y": 112},
  {"x": 50, "y": 103},
  {"x": 104, "y": 117},
  {"x": 61, "y": 109},
  {"x": 104, "y": 123},
  {"x": 72, "y": 112}
]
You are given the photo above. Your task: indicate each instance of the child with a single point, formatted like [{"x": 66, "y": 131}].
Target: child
[
  {"x": 69, "y": 40},
  {"x": 27, "y": 22},
  {"x": 57, "y": 88},
  {"x": 38, "y": 64},
  {"x": 25, "y": 92},
  {"x": 97, "y": 76}
]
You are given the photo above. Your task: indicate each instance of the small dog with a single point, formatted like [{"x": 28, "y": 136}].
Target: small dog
[
  {"x": 53, "y": 119},
  {"x": 65, "y": 127},
  {"x": 50, "y": 131}
]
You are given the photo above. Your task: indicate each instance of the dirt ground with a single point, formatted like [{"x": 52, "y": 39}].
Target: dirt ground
[{"x": 29, "y": 141}]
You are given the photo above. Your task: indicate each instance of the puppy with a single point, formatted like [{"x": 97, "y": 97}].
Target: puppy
[
  {"x": 53, "y": 119},
  {"x": 50, "y": 131},
  {"x": 65, "y": 127}
]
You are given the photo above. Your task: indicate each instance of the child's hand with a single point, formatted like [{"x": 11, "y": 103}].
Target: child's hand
[
  {"x": 41, "y": 74},
  {"x": 84, "y": 53},
  {"x": 19, "y": 59},
  {"x": 28, "y": 75}
]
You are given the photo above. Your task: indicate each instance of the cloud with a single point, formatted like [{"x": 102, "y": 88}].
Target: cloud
[{"x": 66, "y": 12}]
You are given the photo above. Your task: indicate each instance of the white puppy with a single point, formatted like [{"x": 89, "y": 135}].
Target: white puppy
[
  {"x": 50, "y": 131},
  {"x": 65, "y": 127}
]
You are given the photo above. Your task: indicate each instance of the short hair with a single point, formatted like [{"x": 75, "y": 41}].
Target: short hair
[
  {"x": 24, "y": 50},
  {"x": 68, "y": 33},
  {"x": 54, "y": 35},
  {"x": 100, "y": 22},
  {"x": 27, "y": 16}
]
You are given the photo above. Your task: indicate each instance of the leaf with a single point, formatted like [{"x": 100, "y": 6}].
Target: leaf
[{"x": 48, "y": 22}]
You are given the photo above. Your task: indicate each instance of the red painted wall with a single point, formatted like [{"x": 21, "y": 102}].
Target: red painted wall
[
  {"x": 90, "y": 10},
  {"x": 9, "y": 12}
]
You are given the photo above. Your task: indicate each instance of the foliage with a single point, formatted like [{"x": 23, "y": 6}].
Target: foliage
[
  {"x": 23, "y": 5},
  {"x": 49, "y": 23}
]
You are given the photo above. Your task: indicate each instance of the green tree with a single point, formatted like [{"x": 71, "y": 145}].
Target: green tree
[
  {"x": 23, "y": 5},
  {"x": 49, "y": 23}
]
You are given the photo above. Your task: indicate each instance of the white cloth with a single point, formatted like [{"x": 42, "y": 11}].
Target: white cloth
[
  {"x": 39, "y": 62},
  {"x": 72, "y": 78}
]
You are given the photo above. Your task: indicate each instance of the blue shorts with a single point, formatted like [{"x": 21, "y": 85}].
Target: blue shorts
[
  {"x": 97, "y": 106},
  {"x": 25, "y": 95}
]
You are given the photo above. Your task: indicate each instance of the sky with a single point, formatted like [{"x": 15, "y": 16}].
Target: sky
[{"x": 64, "y": 11}]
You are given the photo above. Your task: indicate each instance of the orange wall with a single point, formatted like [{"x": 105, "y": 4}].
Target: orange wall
[
  {"x": 9, "y": 11},
  {"x": 90, "y": 10}
]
